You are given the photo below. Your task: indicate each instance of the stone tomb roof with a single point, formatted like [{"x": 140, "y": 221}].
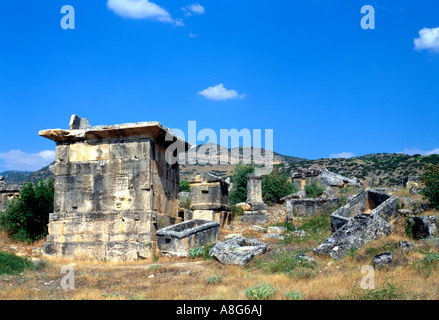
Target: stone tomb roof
[{"x": 80, "y": 130}]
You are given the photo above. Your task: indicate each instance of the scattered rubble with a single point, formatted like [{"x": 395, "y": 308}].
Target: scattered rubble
[
  {"x": 383, "y": 259},
  {"x": 405, "y": 246},
  {"x": 423, "y": 226},
  {"x": 238, "y": 250}
]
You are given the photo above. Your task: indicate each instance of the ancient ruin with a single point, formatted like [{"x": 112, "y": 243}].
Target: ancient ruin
[
  {"x": 238, "y": 250},
  {"x": 255, "y": 210},
  {"x": 309, "y": 207},
  {"x": 115, "y": 186},
  {"x": 323, "y": 177},
  {"x": 7, "y": 193},
  {"x": 177, "y": 239},
  {"x": 366, "y": 217},
  {"x": 209, "y": 198},
  {"x": 371, "y": 201}
]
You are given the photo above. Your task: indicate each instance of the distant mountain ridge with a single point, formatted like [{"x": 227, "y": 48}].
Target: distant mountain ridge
[{"x": 377, "y": 169}]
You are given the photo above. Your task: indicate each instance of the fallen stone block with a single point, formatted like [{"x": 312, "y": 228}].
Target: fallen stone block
[
  {"x": 233, "y": 235},
  {"x": 305, "y": 257},
  {"x": 276, "y": 229},
  {"x": 259, "y": 229},
  {"x": 354, "y": 234},
  {"x": 405, "y": 246},
  {"x": 238, "y": 250},
  {"x": 273, "y": 236},
  {"x": 300, "y": 233},
  {"x": 383, "y": 259},
  {"x": 423, "y": 226}
]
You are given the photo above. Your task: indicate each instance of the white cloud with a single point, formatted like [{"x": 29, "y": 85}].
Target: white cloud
[
  {"x": 193, "y": 8},
  {"x": 19, "y": 160},
  {"x": 428, "y": 39},
  {"x": 141, "y": 9},
  {"x": 412, "y": 151},
  {"x": 342, "y": 155},
  {"x": 218, "y": 92},
  {"x": 193, "y": 35}
]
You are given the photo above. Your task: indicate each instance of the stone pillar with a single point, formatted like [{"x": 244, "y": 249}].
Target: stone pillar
[{"x": 254, "y": 192}]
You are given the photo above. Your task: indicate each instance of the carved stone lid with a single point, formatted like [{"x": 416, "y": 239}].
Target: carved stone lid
[{"x": 80, "y": 130}]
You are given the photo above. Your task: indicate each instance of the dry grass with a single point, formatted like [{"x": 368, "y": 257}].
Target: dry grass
[{"x": 185, "y": 279}]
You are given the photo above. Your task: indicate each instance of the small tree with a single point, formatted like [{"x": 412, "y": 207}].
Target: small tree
[
  {"x": 185, "y": 186},
  {"x": 275, "y": 186},
  {"x": 26, "y": 217},
  {"x": 314, "y": 189},
  {"x": 239, "y": 180},
  {"x": 430, "y": 179}
]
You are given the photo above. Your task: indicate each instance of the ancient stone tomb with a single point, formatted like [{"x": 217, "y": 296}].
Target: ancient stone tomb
[
  {"x": 209, "y": 198},
  {"x": 7, "y": 193},
  {"x": 177, "y": 239},
  {"x": 114, "y": 187}
]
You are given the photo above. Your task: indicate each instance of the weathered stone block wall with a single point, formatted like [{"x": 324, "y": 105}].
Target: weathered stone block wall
[
  {"x": 209, "y": 192},
  {"x": 179, "y": 238},
  {"x": 6, "y": 196},
  {"x": 310, "y": 207},
  {"x": 113, "y": 188},
  {"x": 7, "y": 193},
  {"x": 166, "y": 183}
]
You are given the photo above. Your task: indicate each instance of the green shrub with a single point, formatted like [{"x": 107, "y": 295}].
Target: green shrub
[
  {"x": 11, "y": 264},
  {"x": 429, "y": 263},
  {"x": 314, "y": 189},
  {"x": 214, "y": 279},
  {"x": 239, "y": 190},
  {"x": 26, "y": 218},
  {"x": 294, "y": 295},
  {"x": 261, "y": 291},
  {"x": 200, "y": 252},
  {"x": 275, "y": 186},
  {"x": 236, "y": 211},
  {"x": 430, "y": 179},
  {"x": 184, "y": 203},
  {"x": 388, "y": 291},
  {"x": 410, "y": 225},
  {"x": 285, "y": 262},
  {"x": 195, "y": 252},
  {"x": 185, "y": 186}
]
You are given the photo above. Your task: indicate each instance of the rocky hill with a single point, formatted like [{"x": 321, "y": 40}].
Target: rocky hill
[
  {"x": 15, "y": 177},
  {"x": 378, "y": 169}
]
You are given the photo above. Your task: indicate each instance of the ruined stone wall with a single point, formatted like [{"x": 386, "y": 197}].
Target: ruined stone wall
[
  {"x": 166, "y": 184},
  {"x": 113, "y": 189},
  {"x": 102, "y": 200},
  {"x": 6, "y": 196}
]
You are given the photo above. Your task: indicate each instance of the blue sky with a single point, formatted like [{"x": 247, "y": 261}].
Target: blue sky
[{"x": 305, "y": 69}]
